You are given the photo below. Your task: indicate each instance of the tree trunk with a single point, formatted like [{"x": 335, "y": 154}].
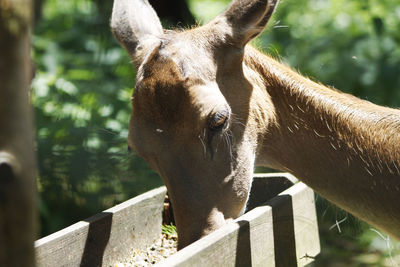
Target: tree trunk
[{"x": 17, "y": 164}]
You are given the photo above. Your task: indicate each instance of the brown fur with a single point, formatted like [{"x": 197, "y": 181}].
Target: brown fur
[{"x": 343, "y": 147}]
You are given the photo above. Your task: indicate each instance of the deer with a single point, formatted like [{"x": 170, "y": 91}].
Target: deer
[{"x": 208, "y": 107}]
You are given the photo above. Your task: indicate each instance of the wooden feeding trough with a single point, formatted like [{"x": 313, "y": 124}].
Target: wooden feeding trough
[{"x": 279, "y": 229}]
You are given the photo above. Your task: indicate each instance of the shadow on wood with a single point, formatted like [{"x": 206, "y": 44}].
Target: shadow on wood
[
  {"x": 97, "y": 239},
  {"x": 267, "y": 186},
  {"x": 283, "y": 231},
  {"x": 106, "y": 238},
  {"x": 284, "y": 234},
  {"x": 243, "y": 244}
]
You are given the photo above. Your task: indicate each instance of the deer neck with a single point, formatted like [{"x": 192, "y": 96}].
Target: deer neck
[{"x": 345, "y": 148}]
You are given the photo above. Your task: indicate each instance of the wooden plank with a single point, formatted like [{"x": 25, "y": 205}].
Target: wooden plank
[
  {"x": 306, "y": 224},
  {"x": 283, "y": 232},
  {"x": 295, "y": 226},
  {"x": 245, "y": 242},
  {"x": 105, "y": 238}
]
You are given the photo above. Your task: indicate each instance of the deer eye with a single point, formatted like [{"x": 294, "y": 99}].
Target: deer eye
[{"x": 219, "y": 120}]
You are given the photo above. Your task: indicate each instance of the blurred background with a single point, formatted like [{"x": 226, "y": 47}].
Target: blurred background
[{"x": 84, "y": 80}]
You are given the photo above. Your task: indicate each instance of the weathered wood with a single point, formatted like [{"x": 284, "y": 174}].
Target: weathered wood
[
  {"x": 247, "y": 241},
  {"x": 17, "y": 167},
  {"x": 283, "y": 232},
  {"x": 295, "y": 226},
  {"x": 105, "y": 238}
]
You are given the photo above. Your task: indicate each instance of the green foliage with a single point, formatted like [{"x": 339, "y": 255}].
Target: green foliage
[
  {"x": 206, "y": 10},
  {"x": 347, "y": 241},
  {"x": 351, "y": 45},
  {"x": 170, "y": 231},
  {"x": 82, "y": 104}
]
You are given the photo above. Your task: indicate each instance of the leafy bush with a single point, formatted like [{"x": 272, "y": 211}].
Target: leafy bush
[
  {"x": 351, "y": 45},
  {"x": 81, "y": 95}
]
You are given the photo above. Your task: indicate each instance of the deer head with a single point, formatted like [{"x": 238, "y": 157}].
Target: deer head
[{"x": 196, "y": 116}]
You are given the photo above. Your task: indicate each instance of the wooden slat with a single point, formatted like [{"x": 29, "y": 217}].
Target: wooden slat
[
  {"x": 105, "y": 238},
  {"x": 246, "y": 241},
  {"x": 283, "y": 232},
  {"x": 295, "y": 226}
]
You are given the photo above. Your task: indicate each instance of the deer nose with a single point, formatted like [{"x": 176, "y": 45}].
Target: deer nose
[{"x": 129, "y": 149}]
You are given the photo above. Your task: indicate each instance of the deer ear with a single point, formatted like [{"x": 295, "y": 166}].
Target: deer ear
[
  {"x": 135, "y": 25},
  {"x": 246, "y": 19}
]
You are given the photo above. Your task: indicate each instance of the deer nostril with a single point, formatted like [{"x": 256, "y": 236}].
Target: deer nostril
[{"x": 129, "y": 149}]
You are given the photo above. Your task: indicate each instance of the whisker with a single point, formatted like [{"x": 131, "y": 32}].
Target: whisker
[
  {"x": 202, "y": 142},
  {"x": 228, "y": 136},
  {"x": 236, "y": 120}
]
